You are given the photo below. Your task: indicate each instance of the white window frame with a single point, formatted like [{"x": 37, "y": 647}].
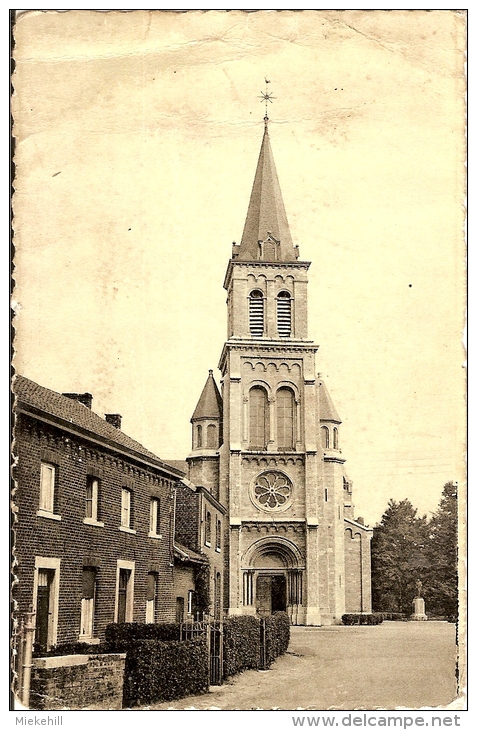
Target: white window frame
[
  {"x": 49, "y": 564},
  {"x": 46, "y": 506},
  {"x": 125, "y": 565},
  {"x": 126, "y": 510},
  {"x": 93, "y": 520},
  {"x": 154, "y": 518}
]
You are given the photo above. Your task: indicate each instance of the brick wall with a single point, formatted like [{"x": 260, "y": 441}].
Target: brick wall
[
  {"x": 93, "y": 681},
  {"x": 187, "y": 516},
  {"x": 77, "y": 544}
]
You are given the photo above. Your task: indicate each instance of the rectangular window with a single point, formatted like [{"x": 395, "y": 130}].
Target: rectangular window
[
  {"x": 126, "y": 508},
  {"x": 125, "y": 592},
  {"x": 151, "y": 597},
  {"x": 92, "y": 492},
  {"x": 88, "y": 603},
  {"x": 47, "y": 487},
  {"x": 208, "y": 529},
  {"x": 154, "y": 516},
  {"x": 191, "y": 603}
]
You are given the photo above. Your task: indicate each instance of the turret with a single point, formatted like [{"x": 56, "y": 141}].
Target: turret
[{"x": 206, "y": 437}]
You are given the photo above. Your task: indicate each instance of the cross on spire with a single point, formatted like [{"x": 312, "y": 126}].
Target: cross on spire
[{"x": 267, "y": 96}]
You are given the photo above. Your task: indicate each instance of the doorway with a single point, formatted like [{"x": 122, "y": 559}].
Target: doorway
[
  {"x": 44, "y": 608},
  {"x": 271, "y": 594}
]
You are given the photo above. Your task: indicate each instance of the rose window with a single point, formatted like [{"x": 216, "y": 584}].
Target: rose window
[{"x": 272, "y": 490}]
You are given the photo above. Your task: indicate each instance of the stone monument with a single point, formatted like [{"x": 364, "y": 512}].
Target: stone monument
[{"x": 418, "y": 605}]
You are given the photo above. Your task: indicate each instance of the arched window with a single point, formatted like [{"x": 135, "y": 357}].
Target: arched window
[
  {"x": 284, "y": 314},
  {"x": 256, "y": 313},
  {"x": 211, "y": 436},
  {"x": 218, "y": 535},
  {"x": 199, "y": 436},
  {"x": 285, "y": 418},
  {"x": 258, "y": 427},
  {"x": 335, "y": 438},
  {"x": 325, "y": 437},
  {"x": 208, "y": 528}
]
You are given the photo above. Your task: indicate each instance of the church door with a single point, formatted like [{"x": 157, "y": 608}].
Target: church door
[
  {"x": 264, "y": 595},
  {"x": 279, "y": 593}
]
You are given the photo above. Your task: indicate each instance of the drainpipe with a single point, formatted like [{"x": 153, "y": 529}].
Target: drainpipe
[{"x": 29, "y": 629}]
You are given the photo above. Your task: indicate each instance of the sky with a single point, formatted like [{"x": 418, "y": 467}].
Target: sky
[{"x": 137, "y": 137}]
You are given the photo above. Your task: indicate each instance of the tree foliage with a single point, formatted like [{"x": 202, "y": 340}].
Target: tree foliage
[
  {"x": 398, "y": 558},
  {"x": 406, "y": 549},
  {"x": 441, "y": 588}
]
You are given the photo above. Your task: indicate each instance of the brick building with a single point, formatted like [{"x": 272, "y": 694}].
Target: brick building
[
  {"x": 268, "y": 446},
  {"x": 94, "y": 520}
]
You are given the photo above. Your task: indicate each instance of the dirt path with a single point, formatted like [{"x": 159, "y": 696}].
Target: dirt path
[{"x": 344, "y": 668}]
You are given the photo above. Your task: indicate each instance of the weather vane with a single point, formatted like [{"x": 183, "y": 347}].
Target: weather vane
[{"x": 267, "y": 97}]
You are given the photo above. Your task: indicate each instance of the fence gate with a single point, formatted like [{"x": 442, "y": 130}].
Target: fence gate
[
  {"x": 213, "y": 631},
  {"x": 216, "y": 652}
]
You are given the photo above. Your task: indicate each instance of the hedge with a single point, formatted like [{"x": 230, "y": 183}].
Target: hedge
[
  {"x": 121, "y": 637},
  {"x": 362, "y": 619},
  {"x": 73, "y": 647},
  {"x": 158, "y": 671},
  {"x": 277, "y": 636},
  {"x": 241, "y": 644},
  {"x": 242, "y": 641}
]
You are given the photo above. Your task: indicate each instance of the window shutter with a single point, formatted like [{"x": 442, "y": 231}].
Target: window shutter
[
  {"x": 89, "y": 577},
  {"x": 284, "y": 314},
  {"x": 151, "y": 586},
  {"x": 256, "y": 314}
]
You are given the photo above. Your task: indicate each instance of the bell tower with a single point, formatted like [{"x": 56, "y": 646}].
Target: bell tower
[{"x": 271, "y": 463}]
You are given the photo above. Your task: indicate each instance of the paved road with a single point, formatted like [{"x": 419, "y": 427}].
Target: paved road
[{"x": 391, "y": 666}]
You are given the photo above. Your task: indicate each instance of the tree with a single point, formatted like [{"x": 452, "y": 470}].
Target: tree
[
  {"x": 442, "y": 584},
  {"x": 398, "y": 557}
]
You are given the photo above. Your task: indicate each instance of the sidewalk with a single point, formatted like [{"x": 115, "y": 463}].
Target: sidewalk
[{"x": 394, "y": 665}]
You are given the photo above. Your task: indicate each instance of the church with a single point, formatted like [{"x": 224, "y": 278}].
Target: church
[{"x": 267, "y": 444}]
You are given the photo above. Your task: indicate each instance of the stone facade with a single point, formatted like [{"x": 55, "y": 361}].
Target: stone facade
[{"x": 291, "y": 542}]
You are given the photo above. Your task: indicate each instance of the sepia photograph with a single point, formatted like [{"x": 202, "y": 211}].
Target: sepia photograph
[{"x": 239, "y": 364}]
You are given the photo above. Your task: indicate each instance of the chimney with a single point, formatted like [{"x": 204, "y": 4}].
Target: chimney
[
  {"x": 114, "y": 419},
  {"x": 85, "y": 398}
]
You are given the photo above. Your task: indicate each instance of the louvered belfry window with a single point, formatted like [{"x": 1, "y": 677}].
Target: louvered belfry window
[
  {"x": 284, "y": 314},
  {"x": 256, "y": 312}
]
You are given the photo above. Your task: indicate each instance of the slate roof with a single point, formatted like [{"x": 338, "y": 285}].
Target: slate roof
[
  {"x": 30, "y": 396},
  {"x": 266, "y": 210},
  {"x": 327, "y": 410},
  {"x": 210, "y": 401}
]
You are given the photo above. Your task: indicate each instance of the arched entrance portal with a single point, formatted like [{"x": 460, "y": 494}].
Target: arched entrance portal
[{"x": 272, "y": 578}]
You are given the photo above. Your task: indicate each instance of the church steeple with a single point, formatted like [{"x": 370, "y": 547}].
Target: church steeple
[{"x": 266, "y": 235}]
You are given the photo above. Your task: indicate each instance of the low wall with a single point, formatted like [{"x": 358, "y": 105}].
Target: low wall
[{"x": 78, "y": 681}]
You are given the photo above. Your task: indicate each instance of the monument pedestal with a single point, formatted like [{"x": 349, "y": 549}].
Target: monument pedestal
[{"x": 418, "y": 610}]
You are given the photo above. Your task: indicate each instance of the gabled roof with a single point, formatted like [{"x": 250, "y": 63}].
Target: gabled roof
[
  {"x": 327, "y": 410},
  {"x": 266, "y": 214},
  {"x": 210, "y": 401},
  {"x": 38, "y": 401}
]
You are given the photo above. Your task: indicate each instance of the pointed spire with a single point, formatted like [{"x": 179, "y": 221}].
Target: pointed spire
[
  {"x": 327, "y": 410},
  {"x": 210, "y": 401},
  {"x": 266, "y": 235}
]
